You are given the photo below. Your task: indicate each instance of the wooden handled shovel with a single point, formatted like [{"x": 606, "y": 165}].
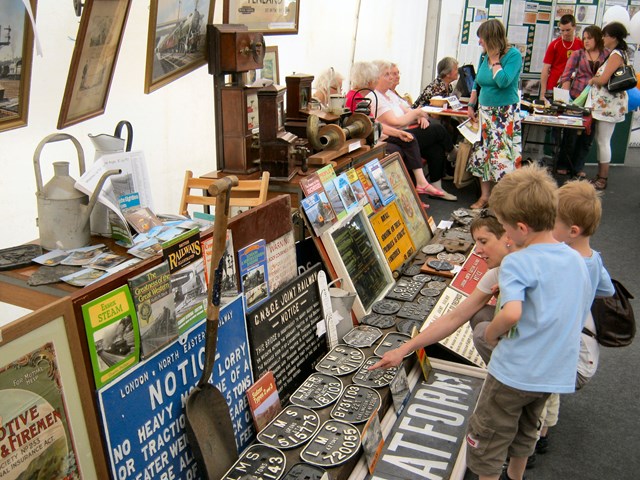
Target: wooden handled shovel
[{"x": 209, "y": 427}]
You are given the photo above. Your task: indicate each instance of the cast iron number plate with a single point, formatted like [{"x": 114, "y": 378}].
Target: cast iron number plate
[
  {"x": 291, "y": 428},
  {"x": 452, "y": 257},
  {"x": 356, "y": 404},
  {"x": 411, "y": 270},
  {"x": 440, "y": 265},
  {"x": 341, "y": 360},
  {"x": 377, "y": 378},
  {"x": 377, "y": 320},
  {"x": 362, "y": 336},
  {"x": 304, "y": 471},
  {"x": 422, "y": 277},
  {"x": 386, "y": 307},
  {"x": 415, "y": 311},
  {"x": 406, "y": 325},
  {"x": 390, "y": 341},
  {"x": 335, "y": 443},
  {"x": 437, "y": 284},
  {"x": 405, "y": 290},
  {"x": 317, "y": 391},
  {"x": 260, "y": 462},
  {"x": 432, "y": 249}
]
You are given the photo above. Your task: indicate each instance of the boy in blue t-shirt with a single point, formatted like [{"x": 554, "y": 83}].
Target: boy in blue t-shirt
[{"x": 536, "y": 331}]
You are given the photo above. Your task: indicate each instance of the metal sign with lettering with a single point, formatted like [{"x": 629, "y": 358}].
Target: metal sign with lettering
[
  {"x": 362, "y": 336},
  {"x": 259, "y": 462},
  {"x": 317, "y": 391},
  {"x": 142, "y": 411},
  {"x": 356, "y": 404},
  {"x": 341, "y": 360},
  {"x": 386, "y": 307},
  {"x": 405, "y": 290},
  {"x": 377, "y": 378},
  {"x": 335, "y": 443},
  {"x": 406, "y": 325},
  {"x": 282, "y": 333},
  {"x": 377, "y": 320},
  {"x": 426, "y": 439},
  {"x": 390, "y": 341},
  {"x": 304, "y": 471},
  {"x": 415, "y": 311},
  {"x": 291, "y": 428}
]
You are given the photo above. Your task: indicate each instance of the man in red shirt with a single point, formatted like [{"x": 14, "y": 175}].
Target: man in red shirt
[{"x": 558, "y": 51}]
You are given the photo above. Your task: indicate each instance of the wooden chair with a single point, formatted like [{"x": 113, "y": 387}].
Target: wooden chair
[{"x": 248, "y": 193}]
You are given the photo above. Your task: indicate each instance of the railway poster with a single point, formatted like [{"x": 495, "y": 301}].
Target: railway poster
[
  {"x": 35, "y": 440},
  {"x": 112, "y": 333},
  {"x": 143, "y": 411}
]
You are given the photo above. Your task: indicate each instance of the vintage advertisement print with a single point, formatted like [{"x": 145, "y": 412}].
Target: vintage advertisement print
[{"x": 35, "y": 440}]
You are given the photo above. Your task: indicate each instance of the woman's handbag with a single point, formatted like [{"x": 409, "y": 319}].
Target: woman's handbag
[{"x": 623, "y": 78}]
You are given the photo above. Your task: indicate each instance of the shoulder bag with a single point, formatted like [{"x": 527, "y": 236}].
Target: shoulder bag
[{"x": 623, "y": 78}]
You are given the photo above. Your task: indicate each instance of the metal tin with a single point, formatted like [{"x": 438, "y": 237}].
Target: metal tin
[
  {"x": 378, "y": 320},
  {"x": 356, "y": 404},
  {"x": 362, "y": 336},
  {"x": 341, "y": 360},
  {"x": 261, "y": 462},
  {"x": 386, "y": 307},
  {"x": 390, "y": 341},
  {"x": 335, "y": 443},
  {"x": 378, "y": 378},
  {"x": 291, "y": 428},
  {"x": 317, "y": 391}
]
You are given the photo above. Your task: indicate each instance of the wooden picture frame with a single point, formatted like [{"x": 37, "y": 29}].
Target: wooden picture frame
[
  {"x": 176, "y": 43},
  {"x": 271, "y": 67},
  {"x": 270, "y": 18},
  {"x": 356, "y": 256},
  {"x": 407, "y": 199},
  {"x": 15, "y": 31},
  {"x": 48, "y": 340},
  {"x": 93, "y": 61}
]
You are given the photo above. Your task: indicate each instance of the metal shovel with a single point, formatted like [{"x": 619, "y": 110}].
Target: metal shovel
[{"x": 209, "y": 427}]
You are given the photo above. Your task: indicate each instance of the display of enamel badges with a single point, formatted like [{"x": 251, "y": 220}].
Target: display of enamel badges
[
  {"x": 356, "y": 404},
  {"x": 341, "y": 360},
  {"x": 362, "y": 336},
  {"x": 291, "y": 428},
  {"x": 317, "y": 391},
  {"x": 378, "y": 378},
  {"x": 335, "y": 443},
  {"x": 390, "y": 341},
  {"x": 261, "y": 462}
]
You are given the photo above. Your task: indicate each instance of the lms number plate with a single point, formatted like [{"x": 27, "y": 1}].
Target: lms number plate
[
  {"x": 260, "y": 462},
  {"x": 291, "y": 428},
  {"x": 335, "y": 443}
]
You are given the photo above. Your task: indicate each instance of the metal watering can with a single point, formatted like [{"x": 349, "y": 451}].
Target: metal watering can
[
  {"x": 63, "y": 211},
  {"x": 341, "y": 302}
]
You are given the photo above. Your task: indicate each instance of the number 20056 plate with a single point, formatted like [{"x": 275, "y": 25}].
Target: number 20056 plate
[
  {"x": 335, "y": 443},
  {"x": 259, "y": 462},
  {"x": 291, "y": 428}
]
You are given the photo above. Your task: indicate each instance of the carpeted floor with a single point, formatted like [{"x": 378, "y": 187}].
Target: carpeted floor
[{"x": 598, "y": 434}]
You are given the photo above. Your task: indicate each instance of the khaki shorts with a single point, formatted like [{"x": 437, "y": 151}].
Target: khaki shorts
[{"x": 505, "y": 422}]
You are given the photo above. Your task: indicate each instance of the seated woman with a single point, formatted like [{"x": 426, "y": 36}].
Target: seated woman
[
  {"x": 442, "y": 86},
  {"x": 327, "y": 83},
  {"x": 392, "y": 111},
  {"x": 364, "y": 76}
]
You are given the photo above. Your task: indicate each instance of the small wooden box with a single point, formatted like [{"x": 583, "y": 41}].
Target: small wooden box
[{"x": 232, "y": 49}]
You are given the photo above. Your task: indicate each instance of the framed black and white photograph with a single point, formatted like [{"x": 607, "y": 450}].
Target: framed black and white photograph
[{"x": 16, "y": 49}]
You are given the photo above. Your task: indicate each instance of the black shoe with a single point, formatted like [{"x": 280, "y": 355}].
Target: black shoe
[
  {"x": 542, "y": 445},
  {"x": 505, "y": 476},
  {"x": 531, "y": 461}
]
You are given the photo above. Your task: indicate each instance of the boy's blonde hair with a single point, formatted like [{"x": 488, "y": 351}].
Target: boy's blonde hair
[
  {"x": 579, "y": 204},
  {"x": 528, "y": 195}
]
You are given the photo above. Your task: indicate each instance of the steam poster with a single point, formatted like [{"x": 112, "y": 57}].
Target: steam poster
[{"x": 35, "y": 441}]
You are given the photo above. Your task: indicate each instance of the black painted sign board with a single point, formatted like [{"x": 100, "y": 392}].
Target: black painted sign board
[
  {"x": 282, "y": 333},
  {"x": 426, "y": 439}
]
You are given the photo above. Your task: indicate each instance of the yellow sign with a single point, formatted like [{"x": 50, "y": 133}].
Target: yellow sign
[{"x": 393, "y": 235}]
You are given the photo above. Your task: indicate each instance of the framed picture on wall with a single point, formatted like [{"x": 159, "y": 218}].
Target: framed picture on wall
[
  {"x": 43, "y": 383},
  {"x": 93, "y": 61},
  {"x": 16, "y": 46},
  {"x": 356, "y": 256},
  {"x": 270, "y": 18},
  {"x": 270, "y": 69},
  {"x": 176, "y": 43}
]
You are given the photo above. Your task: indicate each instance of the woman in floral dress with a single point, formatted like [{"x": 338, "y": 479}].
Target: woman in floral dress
[
  {"x": 608, "y": 108},
  {"x": 496, "y": 107}
]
